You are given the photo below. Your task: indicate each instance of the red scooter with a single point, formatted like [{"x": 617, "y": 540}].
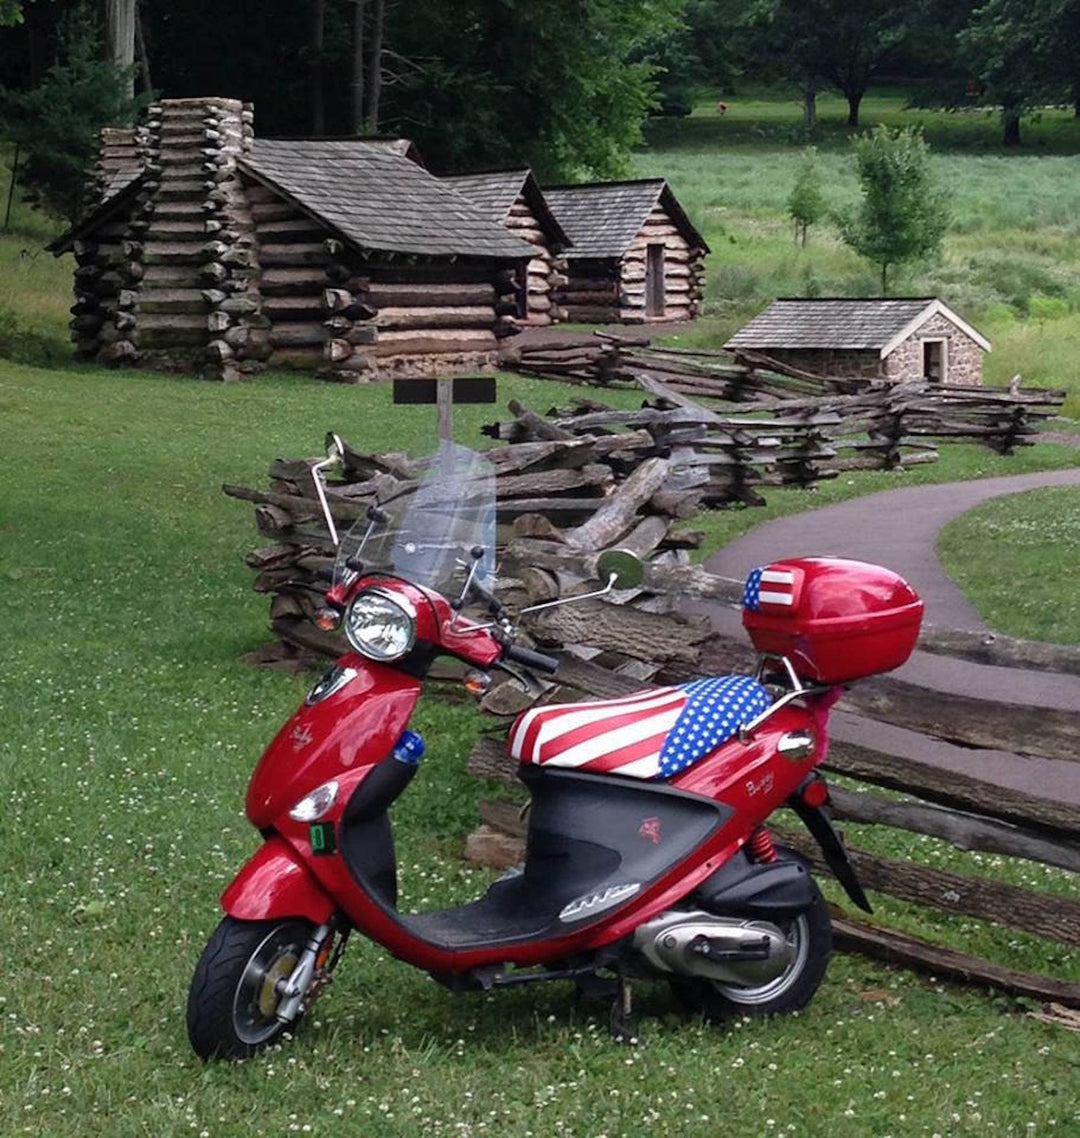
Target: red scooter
[{"x": 647, "y": 854}]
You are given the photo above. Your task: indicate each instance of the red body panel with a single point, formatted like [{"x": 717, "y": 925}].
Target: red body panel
[
  {"x": 839, "y": 620},
  {"x": 356, "y": 726},
  {"x": 276, "y": 883}
]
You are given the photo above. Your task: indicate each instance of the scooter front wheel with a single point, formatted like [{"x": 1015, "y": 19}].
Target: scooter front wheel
[{"x": 235, "y": 992}]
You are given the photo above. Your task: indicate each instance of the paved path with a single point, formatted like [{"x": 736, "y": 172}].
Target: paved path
[
  {"x": 899, "y": 528},
  {"x": 896, "y": 528}
]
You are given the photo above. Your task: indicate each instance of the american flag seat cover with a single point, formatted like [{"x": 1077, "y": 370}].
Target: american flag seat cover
[{"x": 650, "y": 734}]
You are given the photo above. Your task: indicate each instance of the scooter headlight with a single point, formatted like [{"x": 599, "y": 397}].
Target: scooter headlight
[{"x": 379, "y": 626}]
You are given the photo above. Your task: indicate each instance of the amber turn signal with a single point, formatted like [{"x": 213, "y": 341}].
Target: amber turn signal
[
  {"x": 477, "y": 683},
  {"x": 327, "y": 619}
]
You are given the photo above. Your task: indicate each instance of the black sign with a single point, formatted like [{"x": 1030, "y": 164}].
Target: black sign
[{"x": 466, "y": 389}]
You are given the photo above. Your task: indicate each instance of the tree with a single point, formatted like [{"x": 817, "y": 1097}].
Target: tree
[
  {"x": 903, "y": 215},
  {"x": 56, "y": 124},
  {"x": 497, "y": 82},
  {"x": 832, "y": 43},
  {"x": 806, "y": 204},
  {"x": 120, "y": 37},
  {"x": 1024, "y": 52}
]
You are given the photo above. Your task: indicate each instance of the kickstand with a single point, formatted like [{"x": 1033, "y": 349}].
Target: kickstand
[{"x": 621, "y": 1023}]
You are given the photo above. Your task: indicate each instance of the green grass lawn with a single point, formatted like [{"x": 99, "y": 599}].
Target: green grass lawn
[
  {"x": 128, "y": 729},
  {"x": 1015, "y": 558}
]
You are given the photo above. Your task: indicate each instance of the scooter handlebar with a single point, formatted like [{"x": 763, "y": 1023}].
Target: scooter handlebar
[{"x": 535, "y": 660}]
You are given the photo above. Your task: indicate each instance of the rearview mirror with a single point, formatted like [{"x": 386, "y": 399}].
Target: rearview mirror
[{"x": 620, "y": 569}]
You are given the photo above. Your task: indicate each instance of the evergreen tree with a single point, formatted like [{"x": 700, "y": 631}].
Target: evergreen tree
[
  {"x": 806, "y": 203},
  {"x": 56, "y": 124},
  {"x": 903, "y": 215}
]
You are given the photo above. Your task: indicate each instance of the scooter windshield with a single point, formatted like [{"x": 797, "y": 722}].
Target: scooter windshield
[{"x": 432, "y": 531}]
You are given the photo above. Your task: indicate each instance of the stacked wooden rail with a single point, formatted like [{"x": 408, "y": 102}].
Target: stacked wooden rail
[
  {"x": 879, "y": 419},
  {"x": 596, "y": 473}
]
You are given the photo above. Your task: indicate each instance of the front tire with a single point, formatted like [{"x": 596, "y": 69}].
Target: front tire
[
  {"x": 810, "y": 938},
  {"x": 233, "y": 1000}
]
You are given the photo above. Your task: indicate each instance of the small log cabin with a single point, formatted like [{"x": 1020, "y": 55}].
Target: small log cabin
[
  {"x": 213, "y": 249},
  {"x": 634, "y": 256},
  {"x": 514, "y": 199},
  {"x": 899, "y": 339}
]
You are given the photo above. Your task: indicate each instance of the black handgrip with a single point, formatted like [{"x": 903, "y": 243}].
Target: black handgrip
[{"x": 535, "y": 660}]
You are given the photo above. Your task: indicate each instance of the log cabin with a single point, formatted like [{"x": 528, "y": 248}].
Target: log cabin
[
  {"x": 214, "y": 250},
  {"x": 513, "y": 198},
  {"x": 634, "y": 256}
]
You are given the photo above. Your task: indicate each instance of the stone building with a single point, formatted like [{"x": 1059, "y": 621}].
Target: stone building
[{"x": 901, "y": 339}]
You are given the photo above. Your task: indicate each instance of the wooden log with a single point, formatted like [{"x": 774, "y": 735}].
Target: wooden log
[
  {"x": 1000, "y": 651},
  {"x": 901, "y": 949},
  {"x": 279, "y": 255},
  {"x": 492, "y": 848},
  {"x": 640, "y": 635},
  {"x": 962, "y": 830},
  {"x": 949, "y": 788},
  {"x": 1054, "y": 916},
  {"x": 120, "y": 351},
  {"x": 478, "y": 316},
  {"x": 432, "y": 341},
  {"x": 583, "y": 315},
  {"x": 301, "y": 281},
  {"x": 297, "y": 335},
  {"x": 619, "y": 511},
  {"x": 1050, "y": 732}
]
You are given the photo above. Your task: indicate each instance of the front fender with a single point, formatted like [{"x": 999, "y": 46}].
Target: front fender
[{"x": 275, "y": 883}]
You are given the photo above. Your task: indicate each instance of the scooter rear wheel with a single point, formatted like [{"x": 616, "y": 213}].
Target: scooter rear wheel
[
  {"x": 233, "y": 1000},
  {"x": 810, "y": 937}
]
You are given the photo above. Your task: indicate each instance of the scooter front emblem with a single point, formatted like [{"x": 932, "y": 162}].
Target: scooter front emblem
[{"x": 300, "y": 737}]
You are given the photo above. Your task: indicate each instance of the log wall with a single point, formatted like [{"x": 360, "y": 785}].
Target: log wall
[
  {"x": 684, "y": 273},
  {"x": 612, "y": 290},
  {"x": 545, "y": 271},
  {"x": 174, "y": 281},
  {"x": 402, "y": 317}
]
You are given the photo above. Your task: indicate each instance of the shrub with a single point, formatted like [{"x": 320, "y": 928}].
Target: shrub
[
  {"x": 26, "y": 346},
  {"x": 1047, "y": 307}
]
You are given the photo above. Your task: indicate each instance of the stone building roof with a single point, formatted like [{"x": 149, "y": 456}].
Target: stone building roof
[
  {"x": 495, "y": 191},
  {"x": 879, "y": 324},
  {"x": 376, "y": 198},
  {"x": 602, "y": 218}
]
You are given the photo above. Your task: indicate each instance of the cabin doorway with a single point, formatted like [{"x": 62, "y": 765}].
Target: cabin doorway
[
  {"x": 654, "y": 280},
  {"x": 935, "y": 360},
  {"x": 521, "y": 290}
]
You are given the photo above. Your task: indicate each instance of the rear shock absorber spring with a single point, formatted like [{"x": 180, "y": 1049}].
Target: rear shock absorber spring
[{"x": 761, "y": 845}]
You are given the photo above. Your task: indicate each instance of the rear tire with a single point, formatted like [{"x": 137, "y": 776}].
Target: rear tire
[
  {"x": 810, "y": 937},
  {"x": 233, "y": 997}
]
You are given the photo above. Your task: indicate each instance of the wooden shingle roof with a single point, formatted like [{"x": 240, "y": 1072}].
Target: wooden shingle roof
[
  {"x": 878, "y": 324},
  {"x": 377, "y": 199},
  {"x": 602, "y": 218},
  {"x": 495, "y": 191}
]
